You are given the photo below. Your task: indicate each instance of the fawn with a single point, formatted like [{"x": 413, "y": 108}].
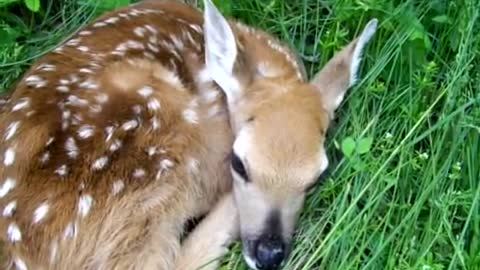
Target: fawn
[{"x": 152, "y": 115}]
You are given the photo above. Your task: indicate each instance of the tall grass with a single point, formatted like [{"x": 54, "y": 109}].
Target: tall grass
[{"x": 403, "y": 190}]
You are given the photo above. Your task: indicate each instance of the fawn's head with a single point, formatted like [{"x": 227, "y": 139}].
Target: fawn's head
[{"x": 279, "y": 125}]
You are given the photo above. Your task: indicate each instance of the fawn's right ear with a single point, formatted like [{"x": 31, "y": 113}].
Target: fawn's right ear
[{"x": 220, "y": 51}]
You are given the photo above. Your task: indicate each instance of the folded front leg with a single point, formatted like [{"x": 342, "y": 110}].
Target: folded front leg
[{"x": 210, "y": 240}]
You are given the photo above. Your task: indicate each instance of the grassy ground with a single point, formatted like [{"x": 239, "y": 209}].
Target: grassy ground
[{"x": 404, "y": 184}]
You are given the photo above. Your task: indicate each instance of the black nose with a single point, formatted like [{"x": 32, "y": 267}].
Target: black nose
[{"x": 270, "y": 254}]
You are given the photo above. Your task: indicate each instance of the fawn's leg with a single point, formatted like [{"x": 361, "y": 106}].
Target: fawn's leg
[{"x": 211, "y": 238}]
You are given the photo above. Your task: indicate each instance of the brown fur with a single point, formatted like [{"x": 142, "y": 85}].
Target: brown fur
[{"x": 122, "y": 171}]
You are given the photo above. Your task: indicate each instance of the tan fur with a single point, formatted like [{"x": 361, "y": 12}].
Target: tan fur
[{"x": 116, "y": 138}]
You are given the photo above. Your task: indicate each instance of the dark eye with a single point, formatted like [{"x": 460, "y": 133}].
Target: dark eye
[{"x": 238, "y": 167}]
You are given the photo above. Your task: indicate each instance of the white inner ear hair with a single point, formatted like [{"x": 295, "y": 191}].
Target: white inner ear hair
[
  {"x": 364, "y": 38},
  {"x": 220, "y": 51}
]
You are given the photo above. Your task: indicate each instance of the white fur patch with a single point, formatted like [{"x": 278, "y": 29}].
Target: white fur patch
[
  {"x": 116, "y": 144},
  {"x": 129, "y": 125},
  {"x": 41, "y": 212},
  {"x": 139, "y": 173},
  {"x": 22, "y": 104},
  {"x": 190, "y": 116},
  {"x": 7, "y": 186},
  {"x": 62, "y": 170},
  {"x": 11, "y": 130},
  {"x": 153, "y": 104},
  {"x": 10, "y": 209},
  {"x": 220, "y": 51},
  {"x": 243, "y": 143},
  {"x": 70, "y": 231},
  {"x": 145, "y": 91},
  {"x": 20, "y": 264},
  {"x": 117, "y": 187},
  {"x": 71, "y": 147},
  {"x": 14, "y": 234},
  {"x": 364, "y": 38},
  {"x": 86, "y": 131},
  {"x": 9, "y": 157},
  {"x": 100, "y": 163},
  {"x": 85, "y": 205}
]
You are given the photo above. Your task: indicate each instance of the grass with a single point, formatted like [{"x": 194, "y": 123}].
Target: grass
[{"x": 404, "y": 185}]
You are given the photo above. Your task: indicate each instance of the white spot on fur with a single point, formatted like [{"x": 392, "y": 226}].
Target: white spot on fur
[
  {"x": 45, "y": 157},
  {"x": 155, "y": 123},
  {"x": 138, "y": 173},
  {"x": 137, "y": 109},
  {"x": 101, "y": 98},
  {"x": 74, "y": 42},
  {"x": 117, "y": 187},
  {"x": 153, "y": 48},
  {"x": 86, "y": 131},
  {"x": 116, "y": 144},
  {"x": 7, "y": 186},
  {"x": 20, "y": 264},
  {"x": 129, "y": 125},
  {"x": 88, "y": 84},
  {"x": 76, "y": 101},
  {"x": 99, "y": 24},
  {"x": 109, "y": 130},
  {"x": 86, "y": 70},
  {"x": 153, "y": 104},
  {"x": 11, "y": 130},
  {"x": 84, "y": 205},
  {"x": 41, "y": 212},
  {"x": 85, "y": 33},
  {"x": 151, "y": 29},
  {"x": 112, "y": 20},
  {"x": 83, "y": 48},
  {"x": 22, "y": 104},
  {"x": 166, "y": 164},
  {"x": 190, "y": 116},
  {"x": 62, "y": 170},
  {"x": 152, "y": 150},
  {"x": 63, "y": 88},
  {"x": 72, "y": 148},
  {"x": 100, "y": 163},
  {"x": 139, "y": 31},
  {"x": 13, "y": 233},
  {"x": 145, "y": 91},
  {"x": 9, "y": 157},
  {"x": 47, "y": 67},
  {"x": 70, "y": 231},
  {"x": 10, "y": 209}
]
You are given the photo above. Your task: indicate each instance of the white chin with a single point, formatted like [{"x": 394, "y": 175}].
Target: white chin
[{"x": 250, "y": 262}]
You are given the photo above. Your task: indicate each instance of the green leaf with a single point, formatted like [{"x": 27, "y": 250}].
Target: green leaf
[
  {"x": 364, "y": 145},
  {"x": 348, "y": 146},
  {"x": 33, "y": 5},
  {"x": 441, "y": 19}
]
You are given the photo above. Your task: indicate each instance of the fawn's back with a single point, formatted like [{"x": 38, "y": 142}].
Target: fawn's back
[{"x": 106, "y": 138}]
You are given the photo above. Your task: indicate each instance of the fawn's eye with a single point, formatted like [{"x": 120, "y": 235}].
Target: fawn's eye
[{"x": 238, "y": 167}]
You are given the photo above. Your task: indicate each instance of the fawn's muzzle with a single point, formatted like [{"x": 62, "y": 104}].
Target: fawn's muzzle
[{"x": 270, "y": 252}]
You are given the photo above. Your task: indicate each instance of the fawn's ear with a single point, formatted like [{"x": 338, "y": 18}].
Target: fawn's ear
[
  {"x": 220, "y": 51},
  {"x": 340, "y": 73}
]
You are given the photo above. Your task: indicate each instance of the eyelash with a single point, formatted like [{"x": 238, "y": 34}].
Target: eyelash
[{"x": 237, "y": 166}]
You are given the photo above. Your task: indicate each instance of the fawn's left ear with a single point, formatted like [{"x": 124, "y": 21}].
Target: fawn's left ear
[
  {"x": 220, "y": 51},
  {"x": 340, "y": 73}
]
